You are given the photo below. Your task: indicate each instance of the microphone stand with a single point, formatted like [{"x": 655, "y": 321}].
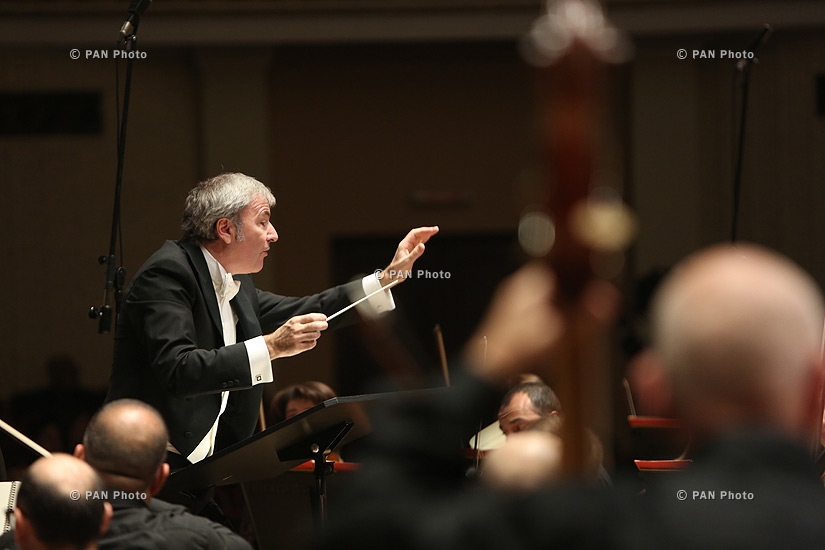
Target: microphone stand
[
  {"x": 744, "y": 67},
  {"x": 737, "y": 176},
  {"x": 116, "y": 274}
]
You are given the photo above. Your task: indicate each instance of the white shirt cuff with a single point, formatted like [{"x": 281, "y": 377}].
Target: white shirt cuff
[
  {"x": 260, "y": 367},
  {"x": 380, "y": 302}
]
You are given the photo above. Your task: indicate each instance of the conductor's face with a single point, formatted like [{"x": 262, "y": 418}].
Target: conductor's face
[{"x": 250, "y": 243}]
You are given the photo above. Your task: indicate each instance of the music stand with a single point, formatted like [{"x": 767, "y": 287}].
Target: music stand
[{"x": 312, "y": 434}]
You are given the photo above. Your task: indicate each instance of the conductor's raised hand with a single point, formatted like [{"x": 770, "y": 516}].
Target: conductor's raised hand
[
  {"x": 297, "y": 335},
  {"x": 409, "y": 250}
]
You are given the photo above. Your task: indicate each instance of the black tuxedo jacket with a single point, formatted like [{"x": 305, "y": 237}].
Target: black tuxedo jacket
[{"x": 169, "y": 349}]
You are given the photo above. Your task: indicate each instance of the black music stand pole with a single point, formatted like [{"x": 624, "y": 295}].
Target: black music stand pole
[{"x": 319, "y": 445}]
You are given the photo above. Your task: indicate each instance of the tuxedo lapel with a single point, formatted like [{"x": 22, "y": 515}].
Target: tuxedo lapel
[
  {"x": 198, "y": 262},
  {"x": 248, "y": 325}
]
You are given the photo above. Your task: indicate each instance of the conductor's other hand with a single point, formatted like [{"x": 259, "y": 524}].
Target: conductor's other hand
[
  {"x": 297, "y": 335},
  {"x": 409, "y": 250}
]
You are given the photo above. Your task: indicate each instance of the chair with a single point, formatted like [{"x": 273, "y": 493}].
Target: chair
[{"x": 662, "y": 444}]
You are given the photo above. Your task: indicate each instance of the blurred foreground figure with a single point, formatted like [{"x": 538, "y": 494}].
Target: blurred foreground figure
[{"x": 737, "y": 345}]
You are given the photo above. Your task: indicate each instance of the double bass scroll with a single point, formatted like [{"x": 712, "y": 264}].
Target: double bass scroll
[{"x": 571, "y": 46}]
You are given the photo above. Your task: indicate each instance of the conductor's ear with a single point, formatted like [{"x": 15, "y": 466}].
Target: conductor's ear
[{"x": 225, "y": 230}]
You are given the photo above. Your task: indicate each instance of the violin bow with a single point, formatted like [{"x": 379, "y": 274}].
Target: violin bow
[
  {"x": 442, "y": 354},
  {"x": 24, "y": 439}
]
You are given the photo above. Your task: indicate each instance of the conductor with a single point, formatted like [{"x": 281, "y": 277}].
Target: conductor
[{"x": 195, "y": 339}]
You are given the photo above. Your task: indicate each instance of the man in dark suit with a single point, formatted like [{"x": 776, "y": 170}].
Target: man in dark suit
[{"x": 195, "y": 338}]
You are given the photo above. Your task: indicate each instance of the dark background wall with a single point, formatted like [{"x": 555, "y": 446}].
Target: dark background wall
[{"x": 350, "y": 130}]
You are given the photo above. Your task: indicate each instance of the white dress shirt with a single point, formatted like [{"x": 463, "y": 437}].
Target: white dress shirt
[{"x": 260, "y": 366}]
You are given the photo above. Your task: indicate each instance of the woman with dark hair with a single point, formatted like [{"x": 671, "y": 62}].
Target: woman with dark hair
[{"x": 297, "y": 398}]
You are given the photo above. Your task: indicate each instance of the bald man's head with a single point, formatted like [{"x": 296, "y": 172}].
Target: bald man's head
[
  {"x": 126, "y": 438},
  {"x": 58, "y": 504},
  {"x": 738, "y": 330}
]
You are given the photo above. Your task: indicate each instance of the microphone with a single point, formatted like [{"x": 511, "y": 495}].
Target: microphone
[
  {"x": 136, "y": 9},
  {"x": 757, "y": 43}
]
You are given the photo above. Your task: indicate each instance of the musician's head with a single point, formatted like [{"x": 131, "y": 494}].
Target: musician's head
[
  {"x": 297, "y": 398},
  {"x": 230, "y": 215},
  {"x": 526, "y": 403},
  {"x": 738, "y": 332},
  {"x": 60, "y": 505},
  {"x": 125, "y": 442}
]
